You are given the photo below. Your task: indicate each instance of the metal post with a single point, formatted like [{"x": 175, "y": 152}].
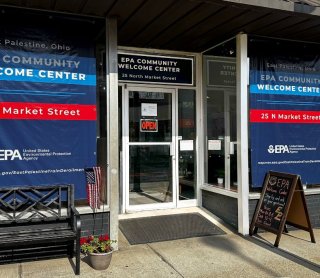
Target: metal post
[
  {"x": 242, "y": 134},
  {"x": 112, "y": 125}
]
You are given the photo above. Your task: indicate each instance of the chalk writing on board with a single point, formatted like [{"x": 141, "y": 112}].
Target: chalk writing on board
[
  {"x": 282, "y": 202},
  {"x": 274, "y": 201}
]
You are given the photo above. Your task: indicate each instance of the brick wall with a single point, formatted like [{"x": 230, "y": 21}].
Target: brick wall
[
  {"x": 313, "y": 204},
  {"x": 96, "y": 224},
  {"x": 222, "y": 206},
  {"x": 252, "y": 208},
  {"x": 226, "y": 207}
]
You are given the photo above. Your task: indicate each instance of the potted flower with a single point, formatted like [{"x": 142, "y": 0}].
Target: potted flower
[{"x": 98, "y": 249}]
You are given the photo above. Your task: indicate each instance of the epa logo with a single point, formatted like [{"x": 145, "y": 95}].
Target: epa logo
[
  {"x": 278, "y": 149},
  {"x": 10, "y": 155}
]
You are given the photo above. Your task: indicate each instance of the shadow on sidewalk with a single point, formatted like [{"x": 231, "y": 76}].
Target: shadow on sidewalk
[
  {"x": 263, "y": 243},
  {"x": 225, "y": 244}
]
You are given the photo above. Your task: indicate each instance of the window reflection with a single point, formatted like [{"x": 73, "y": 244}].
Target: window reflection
[
  {"x": 220, "y": 114},
  {"x": 187, "y": 144}
]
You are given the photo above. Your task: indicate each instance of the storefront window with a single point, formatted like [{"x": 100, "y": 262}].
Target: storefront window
[
  {"x": 187, "y": 144},
  {"x": 220, "y": 114},
  {"x": 51, "y": 70},
  {"x": 284, "y": 102}
]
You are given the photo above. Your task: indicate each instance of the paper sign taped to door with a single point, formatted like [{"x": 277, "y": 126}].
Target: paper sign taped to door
[
  {"x": 149, "y": 110},
  {"x": 186, "y": 145},
  {"x": 214, "y": 145}
]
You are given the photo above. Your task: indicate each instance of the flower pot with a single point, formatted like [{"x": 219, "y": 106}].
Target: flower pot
[
  {"x": 220, "y": 180},
  {"x": 100, "y": 261}
]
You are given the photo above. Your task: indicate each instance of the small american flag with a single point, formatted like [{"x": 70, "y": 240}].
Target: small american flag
[{"x": 93, "y": 178}]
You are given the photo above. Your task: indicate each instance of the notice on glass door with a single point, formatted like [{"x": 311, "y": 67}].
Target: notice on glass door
[
  {"x": 149, "y": 110},
  {"x": 186, "y": 145},
  {"x": 214, "y": 145}
]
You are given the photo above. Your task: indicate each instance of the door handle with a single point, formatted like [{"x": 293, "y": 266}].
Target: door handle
[
  {"x": 232, "y": 147},
  {"x": 171, "y": 150}
]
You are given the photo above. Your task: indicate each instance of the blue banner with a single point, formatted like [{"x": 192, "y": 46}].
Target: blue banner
[
  {"x": 285, "y": 116},
  {"x": 47, "y": 108}
]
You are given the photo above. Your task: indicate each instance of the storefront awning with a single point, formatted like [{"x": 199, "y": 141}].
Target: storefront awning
[{"x": 192, "y": 25}]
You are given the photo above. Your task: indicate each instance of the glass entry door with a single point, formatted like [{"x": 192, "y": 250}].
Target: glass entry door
[{"x": 149, "y": 132}]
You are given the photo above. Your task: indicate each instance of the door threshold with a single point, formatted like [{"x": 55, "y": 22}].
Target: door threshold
[{"x": 148, "y": 213}]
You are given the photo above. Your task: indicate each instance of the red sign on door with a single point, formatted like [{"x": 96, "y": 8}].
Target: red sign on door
[{"x": 148, "y": 125}]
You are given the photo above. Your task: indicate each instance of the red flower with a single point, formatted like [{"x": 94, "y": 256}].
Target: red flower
[
  {"x": 83, "y": 240},
  {"x": 86, "y": 240},
  {"x": 96, "y": 244},
  {"x": 104, "y": 237}
]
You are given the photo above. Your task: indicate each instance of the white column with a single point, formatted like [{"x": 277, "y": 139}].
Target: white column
[
  {"x": 112, "y": 125},
  {"x": 242, "y": 134}
]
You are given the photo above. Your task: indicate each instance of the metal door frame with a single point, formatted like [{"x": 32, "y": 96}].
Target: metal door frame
[
  {"x": 126, "y": 144},
  {"x": 229, "y": 145}
]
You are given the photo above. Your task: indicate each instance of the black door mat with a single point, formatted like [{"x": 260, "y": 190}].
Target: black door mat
[{"x": 167, "y": 227}]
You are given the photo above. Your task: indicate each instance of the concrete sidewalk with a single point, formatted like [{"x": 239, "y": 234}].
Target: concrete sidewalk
[{"x": 229, "y": 255}]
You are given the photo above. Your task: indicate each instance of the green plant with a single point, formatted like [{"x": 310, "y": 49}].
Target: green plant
[{"x": 96, "y": 244}]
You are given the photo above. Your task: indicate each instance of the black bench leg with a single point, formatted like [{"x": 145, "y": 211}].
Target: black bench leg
[
  {"x": 78, "y": 257},
  {"x": 78, "y": 264}
]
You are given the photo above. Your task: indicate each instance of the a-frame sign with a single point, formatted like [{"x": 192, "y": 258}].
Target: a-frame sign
[{"x": 282, "y": 202}]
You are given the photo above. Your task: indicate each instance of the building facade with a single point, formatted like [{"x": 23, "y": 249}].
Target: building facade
[{"x": 180, "y": 103}]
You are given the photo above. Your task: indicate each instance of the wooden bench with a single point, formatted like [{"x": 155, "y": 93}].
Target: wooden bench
[{"x": 39, "y": 222}]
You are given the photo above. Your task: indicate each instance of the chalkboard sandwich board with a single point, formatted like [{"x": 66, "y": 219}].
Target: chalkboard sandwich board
[{"x": 282, "y": 202}]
